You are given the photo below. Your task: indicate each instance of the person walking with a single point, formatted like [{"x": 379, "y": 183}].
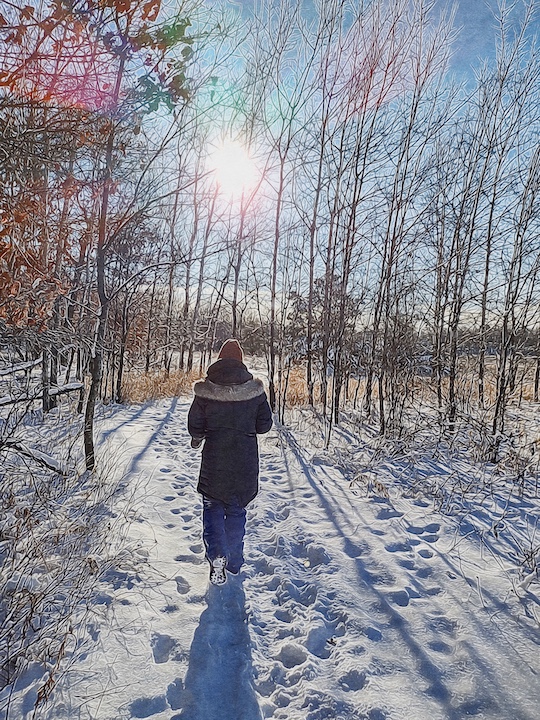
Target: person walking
[{"x": 229, "y": 410}]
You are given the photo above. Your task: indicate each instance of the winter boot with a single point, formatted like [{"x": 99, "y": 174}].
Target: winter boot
[{"x": 217, "y": 571}]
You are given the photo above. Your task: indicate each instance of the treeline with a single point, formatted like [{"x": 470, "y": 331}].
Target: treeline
[{"x": 388, "y": 241}]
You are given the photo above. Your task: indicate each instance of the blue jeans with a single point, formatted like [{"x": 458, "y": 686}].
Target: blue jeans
[{"x": 223, "y": 531}]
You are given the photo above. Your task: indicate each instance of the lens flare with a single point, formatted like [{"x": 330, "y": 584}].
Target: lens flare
[{"x": 234, "y": 169}]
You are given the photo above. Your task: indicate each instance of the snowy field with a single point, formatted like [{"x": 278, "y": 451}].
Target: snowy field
[{"x": 364, "y": 595}]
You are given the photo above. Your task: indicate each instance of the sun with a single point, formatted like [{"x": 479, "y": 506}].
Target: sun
[{"x": 234, "y": 169}]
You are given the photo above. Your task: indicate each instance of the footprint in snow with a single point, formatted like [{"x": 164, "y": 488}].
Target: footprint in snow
[
  {"x": 415, "y": 529},
  {"x": 266, "y": 687},
  {"x": 273, "y": 583},
  {"x": 354, "y": 549},
  {"x": 278, "y": 547},
  {"x": 301, "y": 592},
  {"x": 321, "y": 639},
  {"x": 443, "y": 625},
  {"x": 372, "y": 634},
  {"x": 162, "y": 646},
  {"x": 317, "y": 555},
  {"x": 388, "y": 514},
  {"x": 425, "y": 553},
  {"x": 398, "y": 547},
  {"x": 263, "y": 566},
  {"x": 376, "y": 714},
  {"x": 280, "y": 514},
  {"x": 400, "y": 597},
  {"x": 291, "y": 655},
  {"x": 294, "y": 677},
  {"x": 145, "y": 707},
  {"x": 193, "y": 559},
  {"x": 175, "y": 694},
  {"x": 440, "y": 647},
  {"x": 322, "y": 706},
  {"x": 284, "y": 615},
  {"x": 432, "y": 528},
  {"x": 182, "y": 585},
  {"x": 353, "y": 680},
  {"x": 413, "y": 594},
  {"x": 103, "y": 599},
  {"x": 281, "y": 698},
  {"x": 170, "y": 609},
  {"x": 408, "y": 565},
  {"x": 378, "y": 577}
]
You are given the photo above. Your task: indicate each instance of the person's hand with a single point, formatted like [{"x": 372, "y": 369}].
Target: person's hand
[{"x": 196, "y": 442}]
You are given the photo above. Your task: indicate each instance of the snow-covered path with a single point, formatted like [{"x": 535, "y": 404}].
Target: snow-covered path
[{"x": 350, "y": 608}]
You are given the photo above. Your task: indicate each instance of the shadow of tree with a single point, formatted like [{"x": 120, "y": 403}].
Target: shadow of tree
[{"x": 219, "y": 680}]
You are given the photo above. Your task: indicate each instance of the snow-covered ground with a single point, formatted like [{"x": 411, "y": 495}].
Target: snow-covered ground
[{"x": 358, "y": 601}]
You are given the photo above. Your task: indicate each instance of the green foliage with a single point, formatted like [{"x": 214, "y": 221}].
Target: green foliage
[{"x": 89, "y": 38}]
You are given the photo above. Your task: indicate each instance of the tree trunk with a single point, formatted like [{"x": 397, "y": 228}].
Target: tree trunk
[
  {"x": 46, "y": 379},
  {"x": 96, "y": 367}
]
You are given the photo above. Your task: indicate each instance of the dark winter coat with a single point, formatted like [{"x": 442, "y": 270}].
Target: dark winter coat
[{"x": 229, "y": 409}]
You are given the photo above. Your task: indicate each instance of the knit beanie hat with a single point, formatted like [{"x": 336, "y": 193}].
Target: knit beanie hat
[{"x": 231, "y": 350}]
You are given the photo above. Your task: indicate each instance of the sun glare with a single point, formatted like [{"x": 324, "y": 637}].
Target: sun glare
[{"x": 234, "y": 169}]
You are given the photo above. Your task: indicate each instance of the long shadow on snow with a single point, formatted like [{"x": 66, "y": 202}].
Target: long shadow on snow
[
  {"x": 118, "y": 409},
  {"x": 437, "y": 689},
  {"x": 219, "y": 680},
  {"x": 157, "y": 432}
]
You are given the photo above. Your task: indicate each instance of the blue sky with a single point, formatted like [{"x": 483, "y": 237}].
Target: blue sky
[{"x": 476, "y": 20}]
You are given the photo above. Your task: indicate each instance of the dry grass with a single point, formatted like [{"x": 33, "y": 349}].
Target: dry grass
[
  {"x": 141, "y": 387},
  {"x": 423, "y": 389},
  {"x": 297, "y": 392}
]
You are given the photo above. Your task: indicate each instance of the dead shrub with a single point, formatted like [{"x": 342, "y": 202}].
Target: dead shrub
[
  {"x": 297, "y": 391},
  {"x": 140, "y": 386},
  {"x": 57, "y": 542}
]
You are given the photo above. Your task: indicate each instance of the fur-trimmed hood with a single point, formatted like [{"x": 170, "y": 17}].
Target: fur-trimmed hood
[{"x": 208, "y": 390}]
